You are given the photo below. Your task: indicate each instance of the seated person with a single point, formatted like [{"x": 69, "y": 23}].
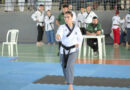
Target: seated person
[{"x": 93, "y": 28}]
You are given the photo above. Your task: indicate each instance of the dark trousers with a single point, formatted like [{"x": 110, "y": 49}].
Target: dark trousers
[
  {"x": 128, "y": 35},
  {"x": 40, "y": 33},
  {"x": 122, "y": 37},
  {"x": 93, "y": 44}
]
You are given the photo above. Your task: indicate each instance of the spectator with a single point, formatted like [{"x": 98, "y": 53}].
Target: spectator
[
  {"x": 21, "y": 5},
  {"x": 38, "y": 16},
  {"x": 49, "y": 27},
  {"x": 116, "y": 21},
  {"x": 81, "y": 20},
  {"x": 90, "y": 15},
  {"x": 9, "y": 5},
  {"x": 64, "y": 2},
  {"x": 94, "y": 28},
  {"x": 74, "y": 14},
  {"x": 60, "y": 19}
]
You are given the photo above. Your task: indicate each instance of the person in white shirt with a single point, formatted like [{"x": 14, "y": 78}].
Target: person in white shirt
[
  {"x": 81, "y": 20},
  {"x": 38, "y": 16},
  {"x": 127, "y": 18},
  {"x": 90, "y": 15},
  {"x": 49, "y": 27},
  {"x": 21, "y": 5},
  {"x": 116, "y": 21},
  {"x": 70, "y": 38},
  {"x": 70, "y": 7}
]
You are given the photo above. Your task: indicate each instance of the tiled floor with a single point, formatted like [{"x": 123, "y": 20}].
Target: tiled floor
[{"x": 48, "y": 53}]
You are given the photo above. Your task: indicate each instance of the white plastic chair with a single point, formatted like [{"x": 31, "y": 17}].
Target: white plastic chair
[
  {"x": 11, "y": 41},
  {"x": 102, "y": 43},
  {"x": 90, "y": 50}
]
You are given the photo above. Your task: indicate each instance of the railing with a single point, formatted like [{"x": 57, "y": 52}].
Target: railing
[{"x": 14, "y": 5}]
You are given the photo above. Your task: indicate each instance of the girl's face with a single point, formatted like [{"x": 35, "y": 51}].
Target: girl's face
[
  {"x": 68, "y": 18},
  {"x": 82, "y": 10},
  {"x": 48, "y": 13}
]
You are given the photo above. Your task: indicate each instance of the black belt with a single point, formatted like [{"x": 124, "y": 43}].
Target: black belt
[
  {"x": 41, "y": 22},
  {"x": 66, "y": 56}
]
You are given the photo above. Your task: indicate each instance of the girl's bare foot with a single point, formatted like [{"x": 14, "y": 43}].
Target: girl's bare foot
[
  {"x": 114, "y": 45},
  {"x": 70, "y": 87}
]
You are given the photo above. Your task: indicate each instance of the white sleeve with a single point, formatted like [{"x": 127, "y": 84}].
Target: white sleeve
[
  {"x": 95, "y": 15},
  {"x": 34, "y": 16},
  {"x": 78, "y": 17},
  {"x": 80, "y": 37},
  {"x": 121, "y": 20},
  {"x": 126, "y": 18},
  {"x": 74, "y": 16},
  {"x": 52, "y": 19},
  {"x": 60, "y": 31},
  {"x": 46, "y": 20}
]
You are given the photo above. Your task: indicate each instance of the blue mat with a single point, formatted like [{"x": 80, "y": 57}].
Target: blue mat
[
  {"x": 2, "y": 59},
  {"x": 20, "y": 75},
  {"x": 64, "y": 87}
]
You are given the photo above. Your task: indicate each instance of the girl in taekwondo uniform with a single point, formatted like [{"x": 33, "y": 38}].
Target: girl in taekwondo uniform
[
  {"x": 70, "y": 37},
  {"x": 116, "y": 21}
]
